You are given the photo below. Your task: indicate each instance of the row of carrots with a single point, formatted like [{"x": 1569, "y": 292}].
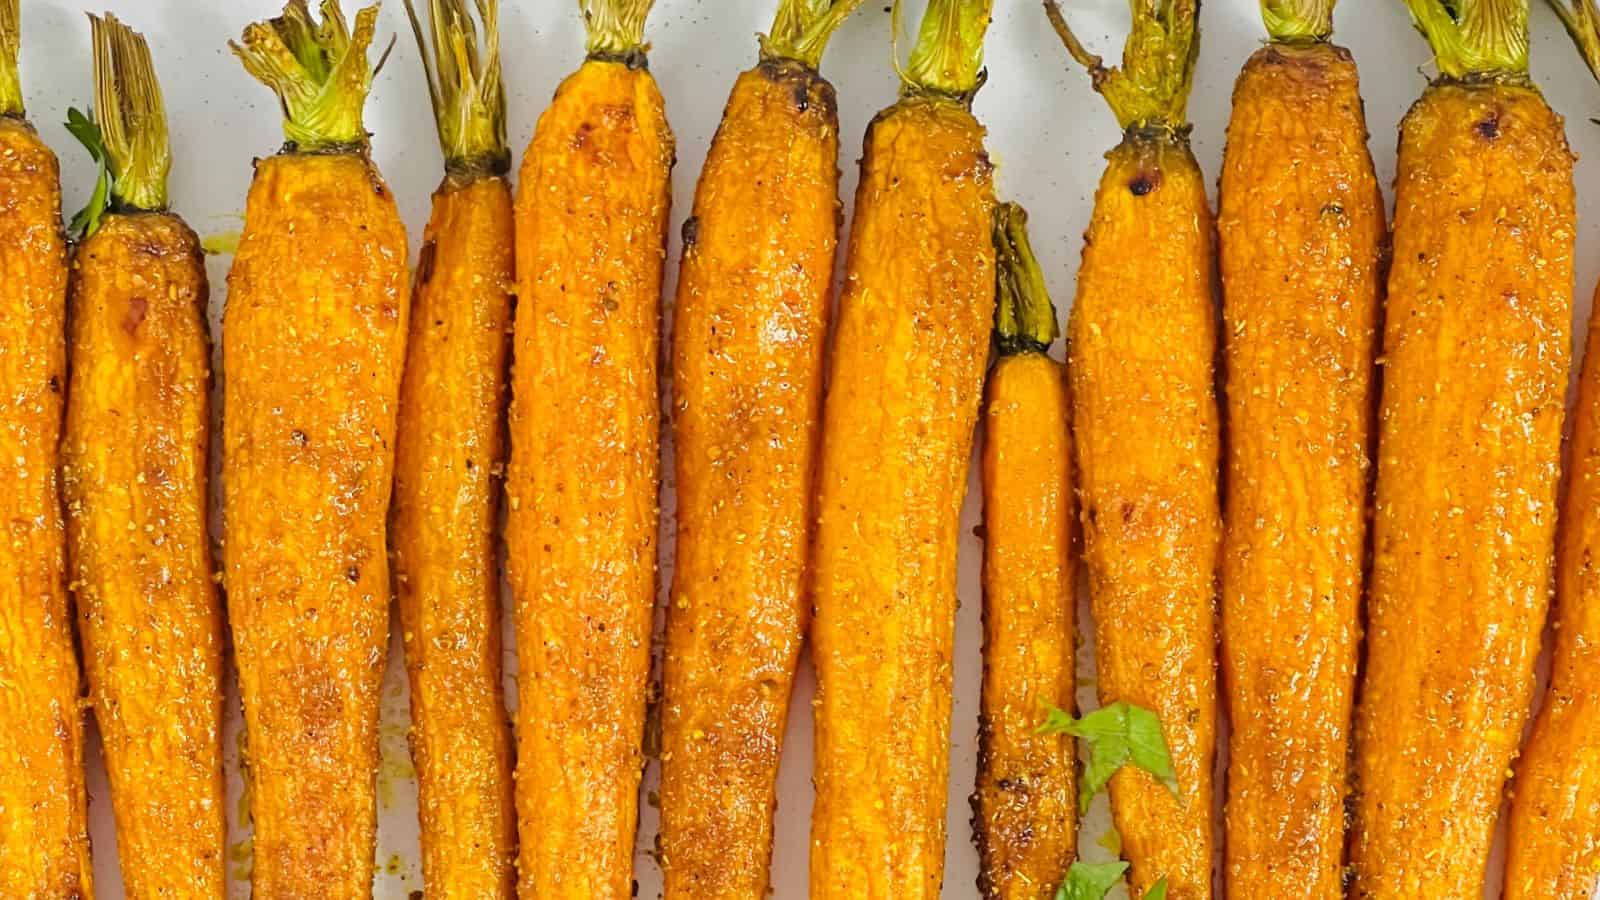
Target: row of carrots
[{"x": 363, "y": 428}]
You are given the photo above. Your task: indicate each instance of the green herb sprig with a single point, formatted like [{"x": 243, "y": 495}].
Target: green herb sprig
[{"x": 83, "y": 127}]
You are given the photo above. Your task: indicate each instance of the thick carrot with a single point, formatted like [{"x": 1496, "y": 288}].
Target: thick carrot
[
  {"x": 1025, "y": 805},
  {"x": 44, "y": 839},
  {"x": 451, "y": 445},
  {"x": 1301, "y": 240},
  {"x": 1476, "y": 343},
  {"x": 1141, "y": 341},
  {"x": 134, "y": 472},
  {"x": 749, "y": 329},
  {"x": 313, "y": 342},
  {"x": 1554, "y": 847},
  {"x": 581, "y": 529},
  {"x": 906, "y": 383}
]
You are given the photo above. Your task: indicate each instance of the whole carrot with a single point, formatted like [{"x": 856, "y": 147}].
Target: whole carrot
[
  {"x": 1301, "y": 242},
  {"x": 1025, "y": 805},
  {"x": 44, "y": 839},
  {"x": 134, "y": 471},
  {"x": 591, "y": 218},
  {"x": 1476, "y": 343},
  {"x": 749, "y": 329},
  {"x": 1554, "y": 847},
  {"x": 1141, "y": 342},
  {"x": 906, "y": 383},
  {"x": 313, "y": 341},
  {"x": 451, "y": 444}
]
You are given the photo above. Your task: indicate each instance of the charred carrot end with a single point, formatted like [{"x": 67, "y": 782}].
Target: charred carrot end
[
  {"x": 134, "y": 472},
  {"x": 592, "y": 212},
  {"x": 1300, "y": 341},
  {"x": 1025, "y": 816},
  {"x": 746, "y": 422},
  {"x": 1472, "y": 406},
  {"x": 10, "y": 48}
]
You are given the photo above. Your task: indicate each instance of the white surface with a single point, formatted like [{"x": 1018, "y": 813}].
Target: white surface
[{"x": 1047, "y": 132}]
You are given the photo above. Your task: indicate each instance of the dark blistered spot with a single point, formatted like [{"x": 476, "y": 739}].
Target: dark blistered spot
[
  {"x": 425, "y": 263},
  {"x": 353, "y": 574},
  {"x": 691, "y": 231},
  {"x": 802, "y": 97},
  {"x": 1488, "y": 127},
  {"x": 1333, "y": 209},
  {"x": 299, "y": 438},
  {"x": 1127, "y": 512},
  {"x": 1142, "y": 183},
  {"x": 580, "y": 138},
  {"x": 55, "y": 384},
  {"x": 137, "y": 308}
]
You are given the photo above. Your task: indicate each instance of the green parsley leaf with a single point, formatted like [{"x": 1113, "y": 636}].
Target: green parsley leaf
[
  {"x": 1158, "y": 891},
  {"x": 1090, "y": 881},
  {"x": 1117, "y": 735},
  {"x": 87, "y": 220}
]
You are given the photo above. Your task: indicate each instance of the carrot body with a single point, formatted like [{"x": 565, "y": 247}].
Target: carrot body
[
  {"x": 907, "y": 374},
  {"x": 450, "y": 445},
  {"x": 581, "y": 531},
  {"x": 1554, "y": 849},
  {"x": 44, "y": 840},
  {"x": 750, "y": 324},
  {"x": 1026, "y": 799},
  {"x": 313, "y": 344},
  {"x": 1302, "y": 231},
  {"x": 1142, "y": 340},
  {"x": 1476, "y": 343},
  {"x": 134, "y": 464}
]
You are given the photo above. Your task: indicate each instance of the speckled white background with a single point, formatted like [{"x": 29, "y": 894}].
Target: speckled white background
[{"x": 1047, "y": 132}]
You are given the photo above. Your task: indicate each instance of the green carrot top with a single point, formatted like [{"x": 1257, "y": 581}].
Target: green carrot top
[
  {"x": 10, "y": 47},
  {"x": 131, "y": 116},
  {"x": 1582, "y": 18},
  {"x": 948, "y": 56},
  {"x": 1476, "y": 39},
  {"x": 464, "y": 85},
  {"x": 1298, "y": 21},
  {"x": 1151, "y": 88},
  {"x": 616, "y": 29},
  {"x": 320, "y": 72},
  {"x": 802, "y": 28},
  {"x": 1024, "y": 316}
]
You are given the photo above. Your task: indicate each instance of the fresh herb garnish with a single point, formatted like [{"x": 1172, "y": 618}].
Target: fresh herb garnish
[
  {"x": 1117, "y": 735},
  {"x": 1092, "y": 881},
  {"x": 87, "y": 220}
]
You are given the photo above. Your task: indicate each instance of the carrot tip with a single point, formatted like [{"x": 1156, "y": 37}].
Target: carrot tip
[
  {"x": 1150, "y": 90},
  {"x": 131, "y": 115},
  {"x": 1488, "y": 38},
  {"x": 320, "y": 72},
  {"x": 616, "y": 27},
  {"x": 464, "y": 84},
  {"x": 1298, "y": 21},
  {"x": 948, "y": 56},
  {"x": 10, "y": 48},
  {"x": 801, "y": 29}
]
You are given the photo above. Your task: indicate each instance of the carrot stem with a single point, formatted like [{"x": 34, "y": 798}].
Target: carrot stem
[
  {"x": 1151, "y": 88},
  {"x": 1582, "y": 19},
  {"x": 616, "y": 27},
  {"x": 1476, "y": 39},
  {"x": 10, "y": 47},
  {"x": 320, "y": 72},
  {"x": 1298, "y": 21},
  {"x": 464, "y": 85},
  {"x": 801, "y": 29},
  {"x": 132, "y": 118},
  {"x": 1024, "y": 316},
  {"x": 948, "y": 56}
]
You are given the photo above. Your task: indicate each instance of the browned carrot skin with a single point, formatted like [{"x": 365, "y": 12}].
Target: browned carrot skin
[
  {"x": 445, "y": 507},
  {"x": 134, "y": 464},
  {"x": 591, "y": 213},
  {"x": 1301, "y": 228},
  {"x": 1476, "y": 344},
  {"x": 44, "y": 840},
  {"x": 749, "y": 327}
]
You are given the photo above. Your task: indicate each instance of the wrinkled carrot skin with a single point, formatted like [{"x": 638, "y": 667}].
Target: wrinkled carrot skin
[
  {"x": 313, "y": 343},
  {"x": 750, "y": 325},
  {"x": 44, "y": 838},
  {"x": 1025, "y": 807},
  {"x": 1476, "y": 342},
  {"x": 907, "y": 376},
  {"x": 1554, "y": 847},
  {"x": 591, "y": 215},
  {"x": 446, "y": 502},
  {"x": 134, "y": 471},
  {"x": 1142, "y": 338},
  {"x": 1301, "y": 241}
]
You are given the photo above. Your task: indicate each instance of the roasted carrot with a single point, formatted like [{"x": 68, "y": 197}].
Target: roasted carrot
[
  {"x": 906, "y": 383},
  {"x": 1301, "y": 241},
  {"x": 44, "y": 838},
  {"x": 313, "y": 342},
  {"x": 1025, "y": 805},
  {"x": 451, "y": 445},
  {"x": 1554, "y": 847},
  {"x": 1476, "y": 342},
  {"x": 750, "y": 324},
  {"x": 134, "y": 472},
  {"x": 1141, "y": 341},
  {"x": 591, "y": 217}
]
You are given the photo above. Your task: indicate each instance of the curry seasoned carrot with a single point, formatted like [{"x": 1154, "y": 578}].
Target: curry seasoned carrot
[
  {"x": 1554, "y": 847},
  {"x": 313, "y": 343},
  {"x": 44, "y": 839},
  {"x": 1476, "y": 342},
  {"x": 906, "y": 383},
  {"x": 1301, "y": 240},
  {"x": 750, "y": 325},
  {"x": 451, "y": 442},
  {"x": 134, "y": 472},
  {"x": 1141, "y": 341},
  {"x": 591, "y": 218},
  {"x": 1025, "y": 805}
]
